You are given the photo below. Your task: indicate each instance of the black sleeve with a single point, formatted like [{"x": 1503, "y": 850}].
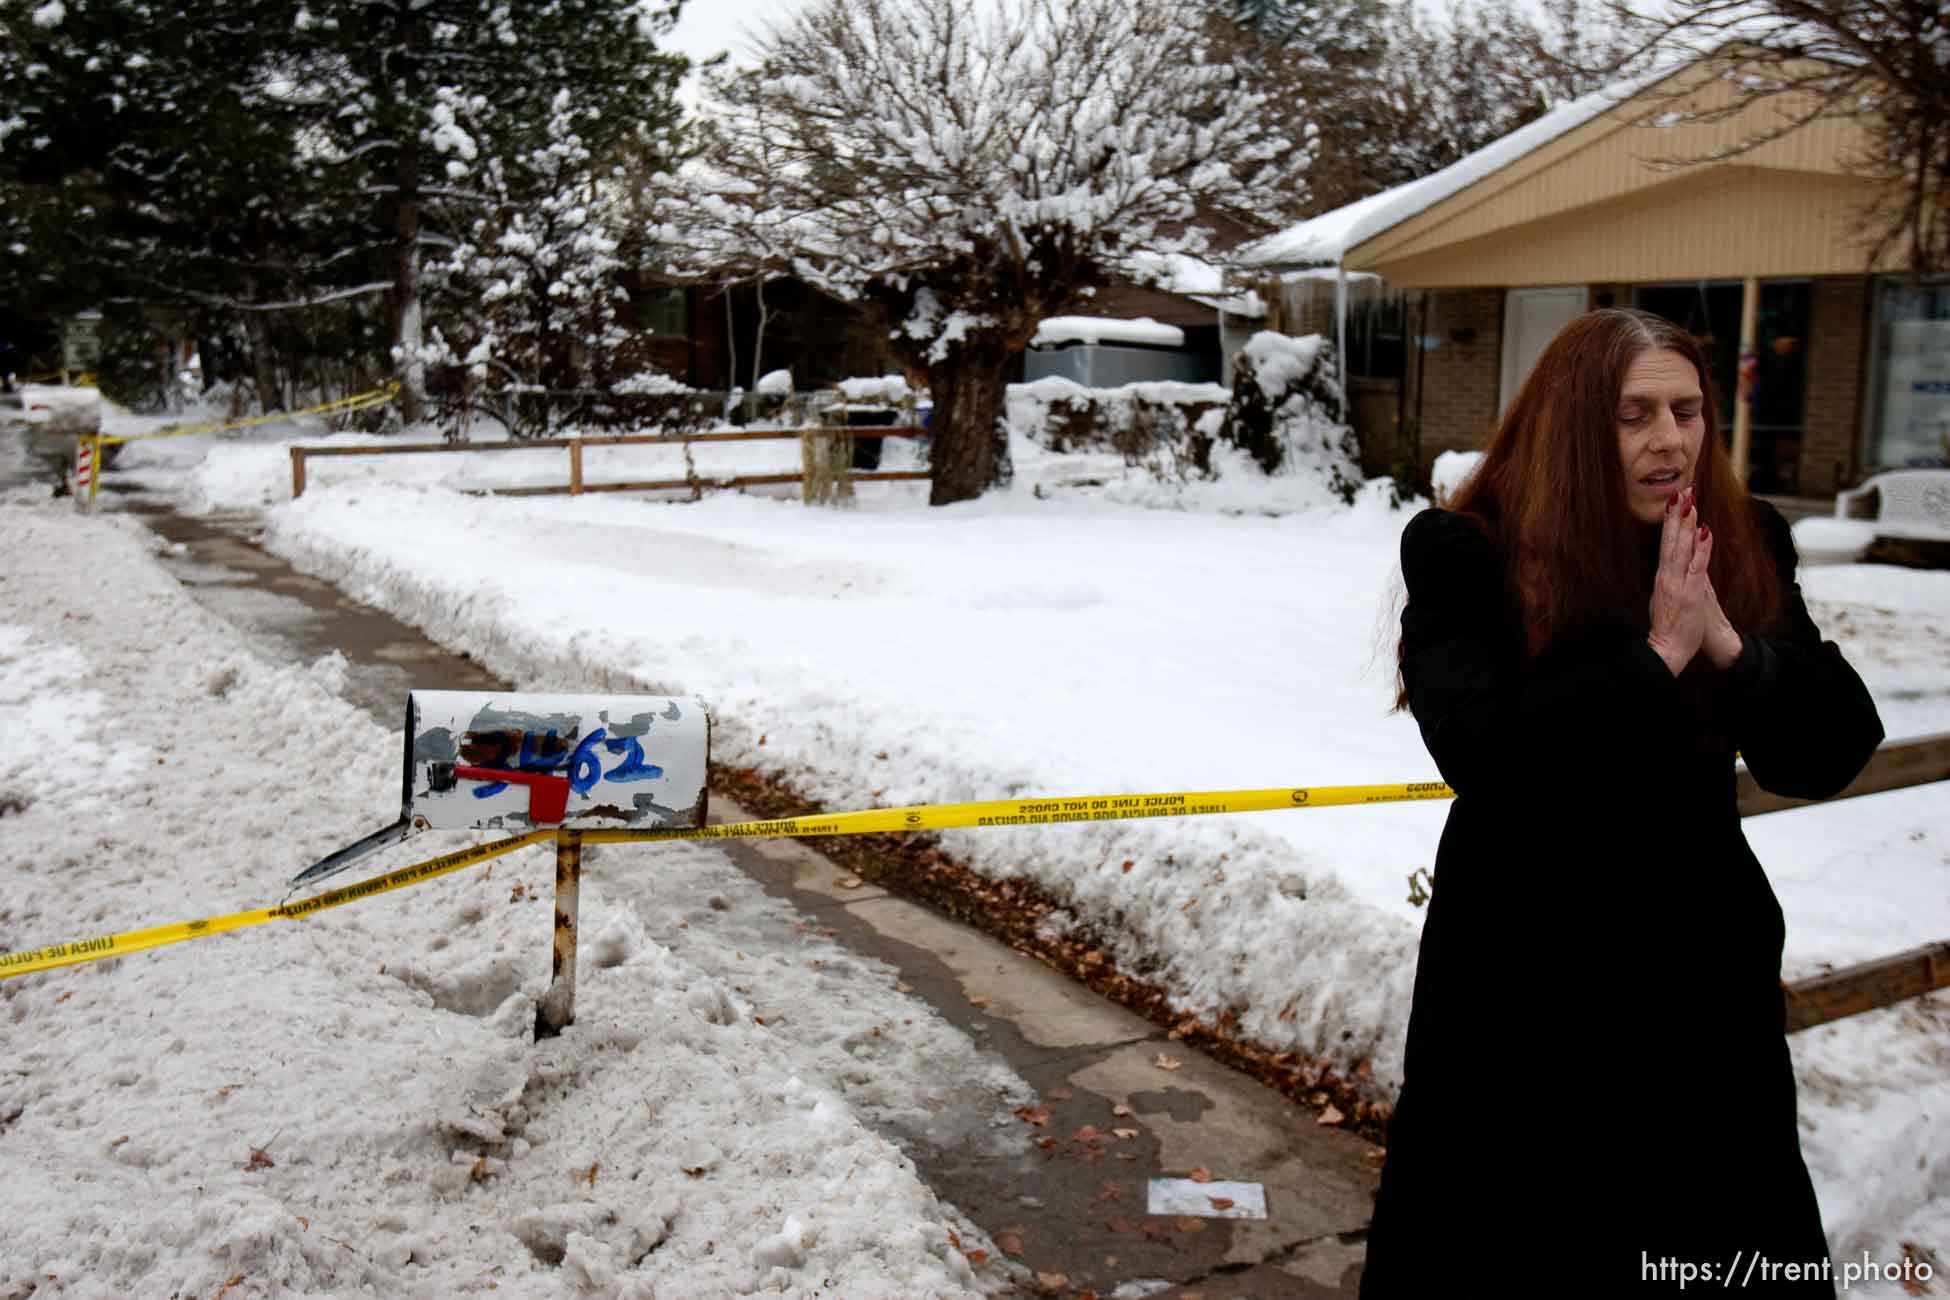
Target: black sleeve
[
  {"x": 1802, "y": 718},
  {"x": 1492, "y": 724}
]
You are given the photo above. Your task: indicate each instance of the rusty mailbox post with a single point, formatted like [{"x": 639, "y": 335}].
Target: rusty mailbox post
[{"x": 526, "y": 762}]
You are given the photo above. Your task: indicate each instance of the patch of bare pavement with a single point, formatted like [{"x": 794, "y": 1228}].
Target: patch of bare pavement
[{"x": 1121, "y": 1102}]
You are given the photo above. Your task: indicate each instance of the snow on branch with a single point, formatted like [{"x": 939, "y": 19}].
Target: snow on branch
[
  {"x": 1776, "y": 66},
  {"x": 1010, "y": 153}
]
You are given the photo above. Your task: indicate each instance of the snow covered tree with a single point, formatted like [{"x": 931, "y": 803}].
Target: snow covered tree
[
  {"x": 741, "y": 228},
  {"x": 1445, "y": 85},
  {"x": 533, "y": 287},
  {"x": 1885, "y": 63},
  {"x": 263, "y": 159},
  {"x": 1300, "y": 53},
  {"x": 428, "y": 97},
  {"x": 139, "y": 163},
  {"x": 1328, "y": 33},
  {"x": 972, "y": 170}
]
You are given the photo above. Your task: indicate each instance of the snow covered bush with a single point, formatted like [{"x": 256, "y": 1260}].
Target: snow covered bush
[
  {"x": 1452, "y": 470},
  {"x": 1167, "y": 428},
  {"x": 1285, "y": 399}
]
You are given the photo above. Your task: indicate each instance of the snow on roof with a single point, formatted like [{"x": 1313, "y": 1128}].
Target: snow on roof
[
  {"x": 1328, "y": 237},
  {"x": 880, "y": 388},
  {"x": 1178, "y": 273},
  {"x": 1329, "y": 274},
  {"x": 1246, "y": 303},
  {"x": 1105, "y": 329}
]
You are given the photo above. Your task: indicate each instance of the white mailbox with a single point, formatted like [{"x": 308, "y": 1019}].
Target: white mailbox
[{"x": 525, "y": 762}]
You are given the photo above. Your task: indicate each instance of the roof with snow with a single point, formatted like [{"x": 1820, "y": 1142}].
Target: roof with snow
[
  {"x": 1105, "y": 329},
  {"x": 1327, "y": 237},
  {"x": 1678, "y": 174}
]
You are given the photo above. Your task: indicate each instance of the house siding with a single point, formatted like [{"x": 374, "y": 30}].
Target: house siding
[
  {"x": 1838, "y": 323},
  {"x": 1460, "y": 379}
]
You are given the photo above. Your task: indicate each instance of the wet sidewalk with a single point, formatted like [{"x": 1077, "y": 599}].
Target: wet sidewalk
[{"x": 1120, "y": 1103}]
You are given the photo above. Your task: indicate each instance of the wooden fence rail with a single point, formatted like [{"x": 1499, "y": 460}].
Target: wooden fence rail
[
  {"x": 1896, "y": 764},
  {"x": 1887, "y": 980},
  {"x": 574, "y": 446},
  {"x": 1855, "y": 989}
]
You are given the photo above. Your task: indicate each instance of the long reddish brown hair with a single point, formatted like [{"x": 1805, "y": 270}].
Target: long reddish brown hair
[{"x": 1550, "y": 493}]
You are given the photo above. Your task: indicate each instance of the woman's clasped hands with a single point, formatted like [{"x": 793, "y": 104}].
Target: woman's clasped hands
[{"x": 1686, "y": 614}]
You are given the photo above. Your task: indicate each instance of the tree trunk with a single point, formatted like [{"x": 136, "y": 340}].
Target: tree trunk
[
  {"x": 264, "y": 364},
  {"x": 408, "y": 319},
  {"x": 764, "y": 316},
  {"x": 970, "y": 451},
  {"x": 408, "y": 332}
]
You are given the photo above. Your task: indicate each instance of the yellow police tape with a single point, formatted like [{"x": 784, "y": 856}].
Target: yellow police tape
[
  {"x": 919, "y": 817},
  {"x": 356, "y": 402}
]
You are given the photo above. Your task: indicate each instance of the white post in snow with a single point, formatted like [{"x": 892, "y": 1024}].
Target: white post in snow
[
  {"x": 1340, "y": 329},
  {"x": 1745, "y": 376},
  {"x": 558, "y": 1006}
]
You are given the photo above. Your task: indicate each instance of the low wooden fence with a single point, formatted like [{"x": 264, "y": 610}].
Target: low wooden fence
[
  {"x": 1897, "y": 764},
  {"x": 576, "y": 485},
  {"x": 1887, "y": 980},
  {"x": 1855, "y": 989}
]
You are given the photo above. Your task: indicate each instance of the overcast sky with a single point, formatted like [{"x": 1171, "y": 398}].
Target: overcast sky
[{"x": 706, "y": 27}]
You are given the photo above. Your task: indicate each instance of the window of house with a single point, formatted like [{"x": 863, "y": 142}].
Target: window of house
[
  {"x": 1909, "y": 376},
  {"x": 1377, "y": 335},
  {"x": 664, "y": 311},
  {"x": 1710, "y": 312}
]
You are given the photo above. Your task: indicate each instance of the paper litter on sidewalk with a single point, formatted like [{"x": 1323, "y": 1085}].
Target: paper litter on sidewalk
[{"x": 1213, "y": 1200}]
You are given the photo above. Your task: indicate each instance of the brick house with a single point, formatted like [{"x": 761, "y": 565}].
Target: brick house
[{"x": 1603, "y": 202}]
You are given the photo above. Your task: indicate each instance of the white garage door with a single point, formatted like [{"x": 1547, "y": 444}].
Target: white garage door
[{"x": 1531, "y": 319}]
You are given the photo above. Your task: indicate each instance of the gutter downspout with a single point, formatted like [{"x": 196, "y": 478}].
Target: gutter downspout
[{"x": 1340, "y": 329}]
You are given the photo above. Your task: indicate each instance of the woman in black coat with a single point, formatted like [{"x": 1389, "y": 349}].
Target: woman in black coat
[{"x": 1598, "y": 1098}]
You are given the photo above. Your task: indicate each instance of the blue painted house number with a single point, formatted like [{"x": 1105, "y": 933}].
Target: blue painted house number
[{"x": 584, "y": 765}]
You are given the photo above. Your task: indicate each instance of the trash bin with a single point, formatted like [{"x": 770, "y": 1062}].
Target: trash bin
[{"x": 866, "y": 451}]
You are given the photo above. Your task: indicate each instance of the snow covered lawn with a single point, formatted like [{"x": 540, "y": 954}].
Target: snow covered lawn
[
  {"x": 1062, "y": 638},
  {"x": 349, "y": 1105}
]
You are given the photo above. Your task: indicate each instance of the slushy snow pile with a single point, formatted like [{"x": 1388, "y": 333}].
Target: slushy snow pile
[{"x": 352, "y": 1104}]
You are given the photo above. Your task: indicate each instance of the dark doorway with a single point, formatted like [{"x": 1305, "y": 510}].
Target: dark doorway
[{"x": 1710, "y": 312}]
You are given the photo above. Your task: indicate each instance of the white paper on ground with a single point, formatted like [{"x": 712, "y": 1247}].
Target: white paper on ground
[{"x": 1183, "y": 1196}]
